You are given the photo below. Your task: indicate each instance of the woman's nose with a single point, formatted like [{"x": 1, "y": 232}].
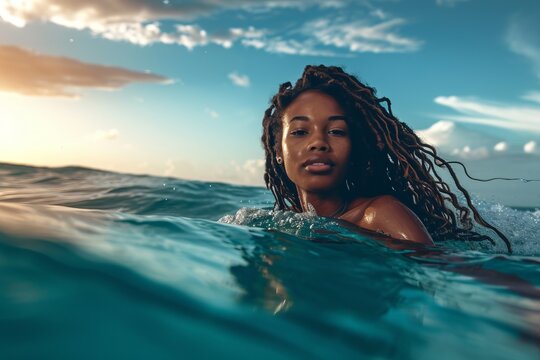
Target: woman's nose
[{"x": 318, "y": 143}]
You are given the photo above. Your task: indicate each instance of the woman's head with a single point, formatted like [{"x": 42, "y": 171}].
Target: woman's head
[
  {"x": 382, "y": 156},
  {"x": 315, "y": 145},
  {"x": 338, "y": 93}
]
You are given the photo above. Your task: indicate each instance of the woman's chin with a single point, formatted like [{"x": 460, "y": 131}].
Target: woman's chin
[{"x": 319, "y": 186}]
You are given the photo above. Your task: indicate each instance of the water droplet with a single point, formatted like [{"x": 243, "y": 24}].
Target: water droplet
[
  {"x": 166, "y": 2},
  {"x": 71, "y": 40}
]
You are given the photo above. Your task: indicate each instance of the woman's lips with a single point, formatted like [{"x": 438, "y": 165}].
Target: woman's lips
[{"x": 318, "y": 168}]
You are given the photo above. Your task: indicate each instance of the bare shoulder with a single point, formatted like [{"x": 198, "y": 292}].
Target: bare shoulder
[
  {"x": 389, "y": 215},
  {"x": 388, "y": 203}
]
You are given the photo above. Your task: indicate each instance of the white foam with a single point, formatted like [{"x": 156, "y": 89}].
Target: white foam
[{"x": 521, "y": 227}]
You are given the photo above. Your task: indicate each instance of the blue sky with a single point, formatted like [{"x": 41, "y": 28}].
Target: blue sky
[{"x": 179, "y": 87}]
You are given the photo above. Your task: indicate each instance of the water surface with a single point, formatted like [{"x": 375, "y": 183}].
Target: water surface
[{"x": 97, "y": 264}]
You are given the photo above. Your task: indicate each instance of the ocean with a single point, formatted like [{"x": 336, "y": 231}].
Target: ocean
[{"x": 97, "y": 264}]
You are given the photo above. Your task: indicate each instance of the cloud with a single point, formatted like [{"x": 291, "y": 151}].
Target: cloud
[
  {"x": 501, "y": 146},
  {"x": 531, "y": 147},
  {"x": 250, "y": 172},
  {"x": 81, "y": 14},
  {"x": 137, "y": 21},
  {"x": 437, "y": 134},
  {"x": 523, "y": 38},
  {"x": 449, "y": 3},
  {"x": 239, "y": 80},
  {"x": 254, "y": 166},
  {"x": 29, "y": 73},
  {"x": 111, "y": 134},
  {"x": 467, "y": 152},
  {"x": 533, "y": 96},
  {"x": 189, "y": 36},
  {"x": 523, "y": 118},
  {"x": 378, "y": 13},
  {"x": 170, "y": 167},
  {"x": 140, "y": 22},
  {"x": 213, "y": 114},
  {"x": 278, "y": 45},
  {"x": 339, "y": 37},
  {"x": 451, "y": 138},
  {"x": 360, "y": 36}
]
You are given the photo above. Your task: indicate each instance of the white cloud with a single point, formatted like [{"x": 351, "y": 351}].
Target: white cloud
[
  {"x": 81, "y": 14},
  {"x": 437, "y": 134},
  {"x": 239, "y": 79},
  {"x": 451, "y": 138},
  {"x": 360, "y": 36},
  {"x": 468, "y": 153},
  {"x": 256, "y": 43},
  {"x": 324, "y": 37},
  {"x": 189, "y": 36},
  {"x": 134, "y": 21},
  {"x": 533, "y": 96},
  {"x": 138, "y": 22},
  {"x": 213, "y": 114},
  {"x": 254, "y": 167},
  {"x": 500, "y": 146},
  {"x": 170, "y": 168},
  {"x": 378, "y": 13},
  {"x": 530, "y": 148},
  {"x": 111, "y": 134},
  {"x": 278, "y": 45},
  {"x": 332, "y": 4},
  {"x": 250, "y": 172},
  {"x": 449, "y": 3},
  {"x": 523, "y": 38},
  {"x": 524, "y": 118}
]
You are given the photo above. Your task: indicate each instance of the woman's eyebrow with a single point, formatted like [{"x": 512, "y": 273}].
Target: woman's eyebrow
[
  {"x": 306, "y": 118},
  {"x": 299, "y": 118}
]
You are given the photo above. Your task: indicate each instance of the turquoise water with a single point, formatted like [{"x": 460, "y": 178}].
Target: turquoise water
[{"x": 98, "y": 265}]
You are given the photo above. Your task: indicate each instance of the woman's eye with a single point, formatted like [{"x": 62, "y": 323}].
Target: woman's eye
[
  {"x": 337, "y": 132},
  {"x": 298, "y": 132}
]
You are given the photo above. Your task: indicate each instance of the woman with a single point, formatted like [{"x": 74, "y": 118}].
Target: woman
[{"x": 332, "y": 148}]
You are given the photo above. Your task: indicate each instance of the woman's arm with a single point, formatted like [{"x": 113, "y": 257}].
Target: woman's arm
[{"x": 388, "y": 215}]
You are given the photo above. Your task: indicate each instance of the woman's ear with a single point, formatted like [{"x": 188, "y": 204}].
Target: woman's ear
[{"x": 279, "y": 153}]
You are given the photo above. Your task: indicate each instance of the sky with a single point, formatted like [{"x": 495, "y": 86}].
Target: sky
[{"x": 179, "y": 88}]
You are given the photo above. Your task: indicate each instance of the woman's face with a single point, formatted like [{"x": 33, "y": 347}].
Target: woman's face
[{"x": 315, "y": 142}]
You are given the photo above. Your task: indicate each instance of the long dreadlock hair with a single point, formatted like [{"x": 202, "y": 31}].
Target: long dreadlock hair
[{"x": 387, "y": 157}]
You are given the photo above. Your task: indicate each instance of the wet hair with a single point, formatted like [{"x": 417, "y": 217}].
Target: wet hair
[{"x": 387, "y": 158}]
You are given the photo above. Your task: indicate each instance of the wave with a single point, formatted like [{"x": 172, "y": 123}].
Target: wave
[{"x": 101, "y": 264}]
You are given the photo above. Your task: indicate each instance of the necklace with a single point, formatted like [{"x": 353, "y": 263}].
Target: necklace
[
  {"x": 337, "y": 213},
  {"x": 340, "y": 211}
]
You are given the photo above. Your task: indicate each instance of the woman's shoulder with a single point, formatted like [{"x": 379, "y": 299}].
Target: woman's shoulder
[
  {"x": 385, "y": 213},
  {"x": 359, "y": 206},
  {"x": 386, "y": 202}
]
